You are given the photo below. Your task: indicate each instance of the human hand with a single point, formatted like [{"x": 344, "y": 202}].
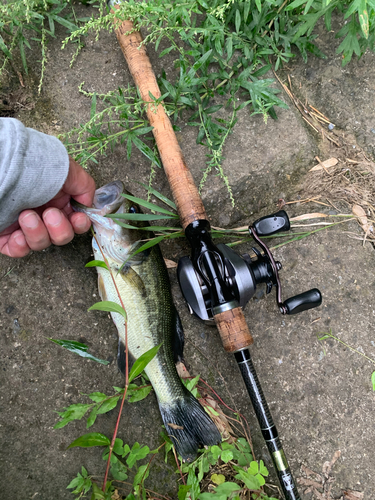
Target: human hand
[{"x": 55, "y": 222}]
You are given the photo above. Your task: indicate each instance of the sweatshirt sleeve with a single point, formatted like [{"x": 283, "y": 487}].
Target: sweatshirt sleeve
[{"x": 33, "y": 169}]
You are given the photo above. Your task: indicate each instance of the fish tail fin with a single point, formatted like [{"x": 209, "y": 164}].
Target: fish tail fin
[{"x": 189, "y": 426}]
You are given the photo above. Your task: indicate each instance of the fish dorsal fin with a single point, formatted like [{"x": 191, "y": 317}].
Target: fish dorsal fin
[{"x": 130, "y": 276}]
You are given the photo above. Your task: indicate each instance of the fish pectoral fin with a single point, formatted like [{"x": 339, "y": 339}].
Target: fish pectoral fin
[
  {"x": 134, "y": 280},
  {"x": 121, "y": 358},
  {"x": 178, "y": 338},
  {"x": 101, "y": 287}
]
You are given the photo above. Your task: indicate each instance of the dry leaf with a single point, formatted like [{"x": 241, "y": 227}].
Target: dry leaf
[
  {"x": 309, "y": 482},
  {"x": 315, "y": 215},
  {"x": 362, "y": 218},
  {"x": 353, "y": 495},
  {"x": 325, "y": 164},
  {"x": 174, "y": 426},
  {"x": 171, "y": 264},
  {"x": 182, "y": 370},
  {"x": 327, "y": 466},
  {"x": 309, "y": 472}
]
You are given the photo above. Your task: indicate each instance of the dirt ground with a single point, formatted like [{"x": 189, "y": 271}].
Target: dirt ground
[{"x": 319, "y": 393}]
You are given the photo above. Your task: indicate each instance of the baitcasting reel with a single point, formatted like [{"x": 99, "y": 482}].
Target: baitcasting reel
[{"x": 216, "y": 278}]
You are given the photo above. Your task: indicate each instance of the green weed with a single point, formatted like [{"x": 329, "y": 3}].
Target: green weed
[
  {"x": 325, "y": 336},
  {"x": 222, "y": 50},
  {"x": 22, "y": 22}
]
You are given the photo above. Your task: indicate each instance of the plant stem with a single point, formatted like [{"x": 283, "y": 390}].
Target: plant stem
[
  {"x": 346, "y": 345},
  {"x": 126, "y": 366}
]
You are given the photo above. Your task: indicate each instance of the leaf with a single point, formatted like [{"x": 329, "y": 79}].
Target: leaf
[
  {"x": 89, "y": 440},
  {"x": 78, "y": 348},
  {"x": 295, "y": 4},
  {"x": 325, "y": 337},
  {"x": 148, "y": 204},
  {"x": 65, "y": 22},
  {"x": 238, "y": 20},
  {"x": 354, "y": 6},
  {"x": 97, "y": 397},
  {"x": 73, "y": 412},
  {"x": 140, "y": 217},
  {"x": 93, "y": 106},
  {"x": 226, "y": 456},
  {"x": 108, "y": 405},
  {"x": 92, "y": 417},
  {"x": 183, "y": 491},
  {"x": 141, "y": 363},
  {"x": 315, "y": 215},
  {"x": 146, "y": 150},
  {"x": 325, "y": 164},
  {"x": 23, "y": 56},
  {"x": 108, "y": 306},
  {"x": 170, "y": 264},
  {"x": 263, "y": 469},
  {"x": 146, "y": 246},
  {"x": 137, "y": 453},
  {"x": 373, "y": 381},
  {"x": 97, "y": 263},
  {"x": 250, "y": 481},
  {"x": 161, "y": 197},
  {"x": 119, "y": 471},
  {"x": 218, "y": 478},
  {"x": 199, "y": 64},
  {"x": 4, "y": 48},
  {"x": 140, "y": 394},
  {"x": 363, "y": 18},
  {"x": 227, "y": 488},
  {"x": 213, "y": 109}
]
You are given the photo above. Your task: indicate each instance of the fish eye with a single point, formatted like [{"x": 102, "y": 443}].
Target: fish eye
[{"x": 133, "y": 210}]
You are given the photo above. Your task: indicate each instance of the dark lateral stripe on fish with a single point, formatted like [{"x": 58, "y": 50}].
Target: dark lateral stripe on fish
[{"x": 189, "y": 427}]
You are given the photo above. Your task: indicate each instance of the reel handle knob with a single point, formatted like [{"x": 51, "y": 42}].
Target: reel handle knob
[
  {"x": 272, "y": 224},
  {"x": 302, "y": 302}
]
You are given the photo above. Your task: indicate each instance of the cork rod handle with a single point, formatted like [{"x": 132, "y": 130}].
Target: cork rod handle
[
  {"x": 184, "y": 190},
  {"x": 234, "y": 332}
]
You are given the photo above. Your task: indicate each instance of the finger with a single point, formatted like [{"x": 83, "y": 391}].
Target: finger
[
  {"x": 80, "y": 222},
  {"x": 59, "y": 229},
  {"x": 10, "y": 229},
  {"x": 36, "y": 234},
  {"x": 79, "y": 184},
  {"x": 14, "y": 245}
]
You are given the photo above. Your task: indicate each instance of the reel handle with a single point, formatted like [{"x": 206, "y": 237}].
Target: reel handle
[
  {"x": 303, "y": 301},
  {"x": 272, "y": 224}
]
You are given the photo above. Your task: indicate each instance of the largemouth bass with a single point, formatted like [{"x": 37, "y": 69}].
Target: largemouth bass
[{"x": 143, "y": 284}]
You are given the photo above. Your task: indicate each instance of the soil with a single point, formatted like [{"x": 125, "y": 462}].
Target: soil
[{"x": 319, "y": 392}]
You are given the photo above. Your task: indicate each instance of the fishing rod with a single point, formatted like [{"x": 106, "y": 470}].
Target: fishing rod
[{"x": 215, "y": 281}]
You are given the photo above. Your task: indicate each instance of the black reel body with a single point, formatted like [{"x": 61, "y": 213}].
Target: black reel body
[{"x": 218, "y": 267}]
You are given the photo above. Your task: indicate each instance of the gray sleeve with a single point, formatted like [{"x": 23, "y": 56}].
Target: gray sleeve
[{"x": 33, "y": 169}]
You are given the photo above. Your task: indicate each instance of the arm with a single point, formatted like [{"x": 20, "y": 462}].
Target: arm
[{"x": 37, "y": 173}]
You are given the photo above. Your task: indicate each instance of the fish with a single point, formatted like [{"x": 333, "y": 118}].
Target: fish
[{"x": 152, "y": 319}]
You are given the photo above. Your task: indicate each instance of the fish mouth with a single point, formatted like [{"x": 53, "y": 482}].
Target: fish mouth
[
  {"x": 109, "y": 197},
  {"x": 107, "y": 200}
]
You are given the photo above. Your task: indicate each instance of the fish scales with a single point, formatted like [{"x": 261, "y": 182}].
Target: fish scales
[{"x": 152, "y": 318}]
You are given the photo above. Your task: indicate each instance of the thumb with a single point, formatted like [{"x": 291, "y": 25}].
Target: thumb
[{"x": 79, "y": 184}]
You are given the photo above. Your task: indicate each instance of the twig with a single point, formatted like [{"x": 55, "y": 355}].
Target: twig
[{"x": 126, "y": 366}]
